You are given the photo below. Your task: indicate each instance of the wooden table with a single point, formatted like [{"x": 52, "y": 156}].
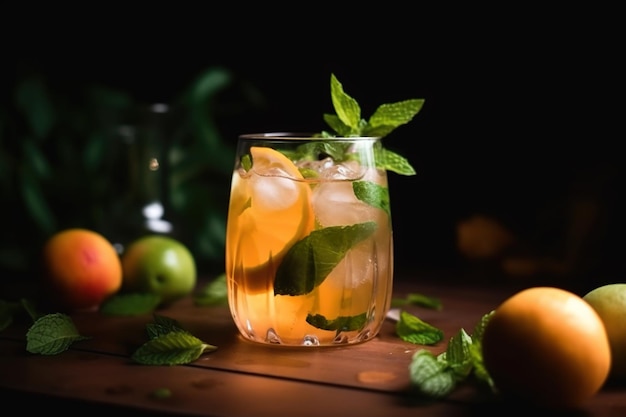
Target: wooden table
[{"x": 245, "y": 379}]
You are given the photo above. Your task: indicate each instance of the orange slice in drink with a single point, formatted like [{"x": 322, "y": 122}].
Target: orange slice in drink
[{"x": 270, "y": 209}]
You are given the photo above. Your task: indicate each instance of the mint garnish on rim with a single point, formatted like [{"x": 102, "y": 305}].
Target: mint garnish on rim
[{"x": 387, "y": 117}]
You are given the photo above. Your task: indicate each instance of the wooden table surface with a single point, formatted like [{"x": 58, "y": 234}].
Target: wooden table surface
[{"x": 245, "y": 379}]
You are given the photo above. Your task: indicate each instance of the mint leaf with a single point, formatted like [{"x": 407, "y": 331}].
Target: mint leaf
[
  {"x": 213, "y": 294},
  {"x": 52, "y": 334},
  {"x": 391, "y": 161},
  {"x": 389, "y": 116},
  {"x": 476, "y": 352},
  {"x": 317, "y": 150},
  {"x": 162, "y": 325},
  {"x": 418, "y": 300},
  {"x": 308, "y": 262},
  {"x": 413, "y": 330},
  {"x": 430, "y": 376},
  {"x": 373, "y": 194},
  {"x": 348, "y": 110},
  {"x": 130, "y": 304},
  {"x": 175, "y": 348},
  {"x": 341, "y": 323},
  {"x": 458, "y": 354}
]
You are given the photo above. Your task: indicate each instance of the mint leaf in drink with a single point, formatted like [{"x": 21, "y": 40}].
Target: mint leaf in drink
[
  {"x": 412, "y": 329},
  {"x": 52, "y": 334},
  {"x": 348, "y": 122},
  {"x": 339, "y": 324},
  {"x": 373, "y": 194},
  {"x": 130, "y": 304},
  {"x": 309, "y": 261},
  {"x": 175, "y": 348}
]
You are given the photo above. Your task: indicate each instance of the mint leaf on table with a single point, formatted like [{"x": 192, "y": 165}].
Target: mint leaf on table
[
  {"x": 412, "y": 329},
  {"x": 52, "y": 334},
  {"x": 437, "y": 376},
  {"x": 418, "y": 299},
  {"x": 212, "y": 294},
  {"x": 309, "y": 261},
  {"x": 130, "y": 304},
  {"x": 476, "y": 351},
  {"x": 430, "y": 376},
  {"x": 169, "y": 344},
  {"x": 162, "y": 325},
  {"x": 175, "y": 348}
]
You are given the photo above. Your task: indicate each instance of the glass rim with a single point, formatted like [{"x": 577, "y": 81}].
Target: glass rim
[{"x": 301, "y": 136}]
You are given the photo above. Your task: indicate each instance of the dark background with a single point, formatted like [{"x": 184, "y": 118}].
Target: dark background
[{"x": 519, "y": 121}]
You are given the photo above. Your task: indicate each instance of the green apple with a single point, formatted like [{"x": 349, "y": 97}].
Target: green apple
[
  {"x": 609, "y": 301},
  {"x": 159, "y": 265}
]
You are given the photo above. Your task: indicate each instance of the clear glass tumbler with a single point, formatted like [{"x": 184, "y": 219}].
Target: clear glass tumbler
[{"x": 309, "y": 249}]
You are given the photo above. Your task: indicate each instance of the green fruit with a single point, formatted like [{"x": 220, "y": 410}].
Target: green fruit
[
  {"x": 159, "y": 265},
  {"x": 609, "y": 301}
]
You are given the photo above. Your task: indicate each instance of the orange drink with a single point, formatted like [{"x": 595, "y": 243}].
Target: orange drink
[{"x": 309, "y": 252}]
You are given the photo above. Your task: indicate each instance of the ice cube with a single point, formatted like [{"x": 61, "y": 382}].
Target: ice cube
[{"x": 273, "y": 193}]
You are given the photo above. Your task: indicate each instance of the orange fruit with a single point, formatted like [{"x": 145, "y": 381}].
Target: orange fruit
[
  {"x": 82, "y": 268},
  {"x": 269, "y": 211},
  {"x": 547, "y": 346}
]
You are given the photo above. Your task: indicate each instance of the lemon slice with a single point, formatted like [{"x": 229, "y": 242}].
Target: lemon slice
[{"x": 270, "y": 209}]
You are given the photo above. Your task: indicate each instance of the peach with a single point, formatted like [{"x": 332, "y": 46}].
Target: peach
[{"x": 82, "y": 269}]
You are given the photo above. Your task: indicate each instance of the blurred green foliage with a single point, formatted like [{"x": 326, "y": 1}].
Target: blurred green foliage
[{"x": 65, "y": 162}]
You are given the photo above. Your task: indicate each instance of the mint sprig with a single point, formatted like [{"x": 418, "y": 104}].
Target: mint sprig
[
  {"x": 437, "y": 376},
  {"x": 348, "y": 121}
]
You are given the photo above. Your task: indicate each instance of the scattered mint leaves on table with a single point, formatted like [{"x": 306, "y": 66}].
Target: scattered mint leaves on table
[
  {"x": 169, "y": 344},
  {"x": 348, "y": 121}
]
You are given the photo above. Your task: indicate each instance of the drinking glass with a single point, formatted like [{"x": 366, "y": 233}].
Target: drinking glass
[{"x": 309, "y": 249}]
